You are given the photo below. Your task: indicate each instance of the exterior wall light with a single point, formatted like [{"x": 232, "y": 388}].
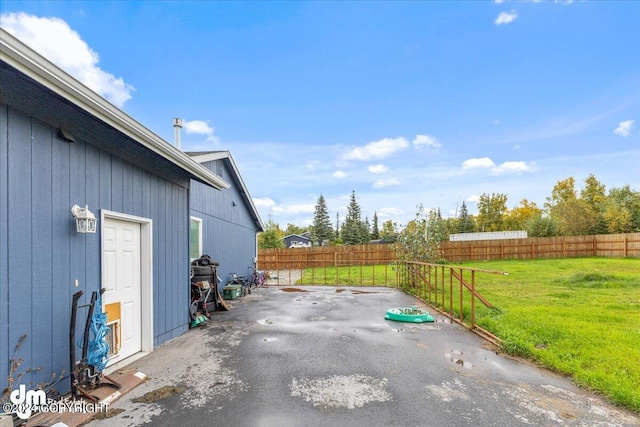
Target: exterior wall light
[{"x": 85, "y": 221}]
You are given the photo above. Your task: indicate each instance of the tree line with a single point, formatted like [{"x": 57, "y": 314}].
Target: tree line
[{"x": 566, "y": 212}]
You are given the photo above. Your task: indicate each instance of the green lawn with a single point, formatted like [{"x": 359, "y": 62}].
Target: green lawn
[
  {"x": 368, "y": 275},
  {"x": 578, "y": 316}
]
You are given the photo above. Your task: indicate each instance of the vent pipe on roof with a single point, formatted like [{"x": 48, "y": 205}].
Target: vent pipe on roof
[{"x": 177, "y": 125}]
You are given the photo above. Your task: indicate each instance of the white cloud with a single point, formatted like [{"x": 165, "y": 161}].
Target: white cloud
[
  {"x": 56, "y": 41},
  {"x": 498, "y": 1},
  {"x": 200, "y": 127},
  {"x": 377, "y": 149},
  {"x": 473, "y": 199},
  {"x": 385, "y": 212},
  {"x": 482, "y": 163},
  {"x": 293, "y": 209},
  {"x": 426, "y": 141},
  {"x": 312, "y": 164},
  {"x": 506, "y": 17},
  {"x": 503, "y": 168},
  {"x": 263, "y": 202},
  {"x": 513, "y": 167},
  {"x": 381, "y": 183},
  {"x": 339, "y": 174},
  {"x": 378, "y": 169},
  {"x": 624, "y": 128}
]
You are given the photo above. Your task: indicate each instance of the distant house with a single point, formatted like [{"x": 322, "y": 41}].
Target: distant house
[
  {"x": 297, "y": 241},
  {"x": 62, "y": 145},
  {"x": 224, "y": 224},
  {"x": 378, "y": 242}
]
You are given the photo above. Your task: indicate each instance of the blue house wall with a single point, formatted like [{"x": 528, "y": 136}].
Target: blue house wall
[
  {"x": 41, "y": 254},
  {"x": 228, "y": 228}
]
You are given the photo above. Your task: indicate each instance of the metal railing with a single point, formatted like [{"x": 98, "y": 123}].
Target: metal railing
[
  {"x": 451, "y": 290},
  {"x": 370, "y": 273}
]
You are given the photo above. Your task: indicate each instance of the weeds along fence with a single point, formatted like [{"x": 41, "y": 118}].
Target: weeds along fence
[{"x": 450, "y": 290}]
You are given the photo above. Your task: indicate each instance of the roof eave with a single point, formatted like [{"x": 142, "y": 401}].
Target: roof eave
[
  {"x": 226, "y": 155},
  {"x": 24, "y": 59}
]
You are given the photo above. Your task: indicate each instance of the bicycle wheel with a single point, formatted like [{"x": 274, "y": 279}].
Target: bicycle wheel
[{"x": 193, "y": 310}]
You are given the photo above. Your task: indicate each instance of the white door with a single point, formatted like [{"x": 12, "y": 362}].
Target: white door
[{"x": 121, "y": 275}]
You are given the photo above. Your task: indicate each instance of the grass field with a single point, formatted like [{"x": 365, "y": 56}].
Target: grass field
[{"x": 578, "y": 316}]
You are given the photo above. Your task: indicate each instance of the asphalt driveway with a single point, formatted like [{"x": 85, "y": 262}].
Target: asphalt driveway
[{"x": 325, "y": 356}]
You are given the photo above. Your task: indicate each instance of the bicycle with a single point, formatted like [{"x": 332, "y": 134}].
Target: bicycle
[{"x": 258, "y": 278}]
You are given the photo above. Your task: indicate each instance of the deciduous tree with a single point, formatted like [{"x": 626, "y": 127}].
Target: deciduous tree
[
  {"x": 389, "y": 231},
  {"x": 271, "y": 237},
  {"x": 518, "y": 217},
  {"x": 491, "y": 210},
  {"x": 593, "y": 193}
]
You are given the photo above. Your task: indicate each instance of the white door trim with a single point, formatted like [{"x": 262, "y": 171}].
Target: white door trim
[{"x": 146, "y": 270}]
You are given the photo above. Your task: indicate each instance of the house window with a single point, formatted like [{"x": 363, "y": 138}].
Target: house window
[{"x": 195, "y": 238}]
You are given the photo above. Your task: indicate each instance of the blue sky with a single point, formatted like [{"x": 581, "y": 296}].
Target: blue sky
[{"x": 405, "y": 103}]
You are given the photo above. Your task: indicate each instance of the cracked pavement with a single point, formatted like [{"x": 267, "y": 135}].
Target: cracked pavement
[{"x": 318, "y": 356}]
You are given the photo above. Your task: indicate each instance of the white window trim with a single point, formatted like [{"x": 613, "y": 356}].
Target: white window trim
[{"x": 199, "y": 220}]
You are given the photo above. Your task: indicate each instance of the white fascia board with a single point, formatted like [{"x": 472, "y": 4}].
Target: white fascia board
[
  {"x": 226, "y": 155},
  {"x": 26, "y": 60}
]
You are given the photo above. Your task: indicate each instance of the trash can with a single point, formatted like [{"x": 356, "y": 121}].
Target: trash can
[{"x": 232, "y": 291}]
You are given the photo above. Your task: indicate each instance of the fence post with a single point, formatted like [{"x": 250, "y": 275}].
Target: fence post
[
  {"x": 442, "y": 281},
  {"x": 461, "y": 297},
  {"x": 450, "y": 292},
  {"x": 473, "y": 299}
]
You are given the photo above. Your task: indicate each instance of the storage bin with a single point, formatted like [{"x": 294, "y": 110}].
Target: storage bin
[{"x": 232, "y": 291}]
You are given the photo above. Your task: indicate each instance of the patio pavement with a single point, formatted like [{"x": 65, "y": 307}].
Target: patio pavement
[{"x": 325, "y": 356}]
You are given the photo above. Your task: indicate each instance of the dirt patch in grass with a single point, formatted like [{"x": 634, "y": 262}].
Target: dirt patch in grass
[
  {"x": 159, "y": 394},
  {"x": 294, "y": 290}
]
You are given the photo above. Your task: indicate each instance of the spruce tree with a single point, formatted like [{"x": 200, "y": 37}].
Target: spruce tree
[
  {"x": 465, "y": 222},
  {"x": 322, "y": 231},
  {"x": 375, "y": 232},
  {"x": 352, "y": 227}
]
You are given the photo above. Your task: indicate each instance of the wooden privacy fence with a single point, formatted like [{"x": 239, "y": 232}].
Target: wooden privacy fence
[
  {"x": 604, "y": 245},
  {"x": 325, "y": 256}
]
